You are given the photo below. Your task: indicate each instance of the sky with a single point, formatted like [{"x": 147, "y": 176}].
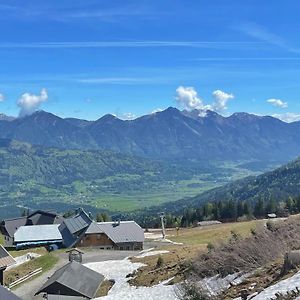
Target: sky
[{"x": 87, "y": 58}]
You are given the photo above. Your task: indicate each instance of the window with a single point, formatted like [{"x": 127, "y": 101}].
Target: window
[{"x": 98, "y": 236}]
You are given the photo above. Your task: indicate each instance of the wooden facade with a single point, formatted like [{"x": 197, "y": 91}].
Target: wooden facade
[
  {"x": 102, "y": 241},
  {"x": 96, "y": 240}
]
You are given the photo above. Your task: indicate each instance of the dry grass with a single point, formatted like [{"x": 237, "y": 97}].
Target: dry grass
[
  {"x": 104, "y": 288},
  {"x": 46, "y": 262},
  {"x": 251, "y": 252},
  {"x": 214, "y": 233},
  {"x": 40, "y": 251},
  {"x": 195, "y": 241},
  {"x": 174, "y": 264}
]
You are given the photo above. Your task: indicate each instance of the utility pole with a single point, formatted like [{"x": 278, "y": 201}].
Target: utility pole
[{"x": 162, "y": 218}]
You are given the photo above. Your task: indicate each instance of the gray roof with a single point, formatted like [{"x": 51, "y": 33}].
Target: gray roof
[
  {"x": 37, "y": 233},
  {"x": 39, "y": 217},
  {"x": 10, "y": 226},
  {"x": 78, "y": 222},
  {"x": 7, "y": 295},
  {"x": 93, "y": 228},
  {"x": 123, "y": 232},
  {"x": 73, "y": 228},
  {"x": 76, "y": 277},
  {"x": 62, "y": 297},
  {"x": 207, "y": 223},
  {"x": 5, "y": 258}
]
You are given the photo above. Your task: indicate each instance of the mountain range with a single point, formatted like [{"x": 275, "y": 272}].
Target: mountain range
[{"x": 169, "y": 134}]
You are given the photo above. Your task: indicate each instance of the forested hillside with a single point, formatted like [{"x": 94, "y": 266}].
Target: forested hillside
[{"x": 35, "y": 176}]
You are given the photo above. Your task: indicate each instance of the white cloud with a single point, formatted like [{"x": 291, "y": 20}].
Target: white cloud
[
  {"x": 2, "y": 98},
  {"x": 187, "y": 98},
  {"x": 221, "y": 100},
  {"x": 287, "y": 117},
  {"x": 278, "y": 103},
  {"x": 29, "y": 103}
]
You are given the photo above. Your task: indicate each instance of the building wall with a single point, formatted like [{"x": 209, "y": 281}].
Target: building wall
[
  {"x": 129, "y": 246},
  {"x": 8, "y": 241},
  {"x": 96, "y": 240}
]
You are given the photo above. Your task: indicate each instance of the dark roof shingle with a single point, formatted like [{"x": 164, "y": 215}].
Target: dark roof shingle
[{"x": 76, "y": 277}]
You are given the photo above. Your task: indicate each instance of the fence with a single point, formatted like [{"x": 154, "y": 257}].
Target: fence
[{"x": 28, "y": 276}]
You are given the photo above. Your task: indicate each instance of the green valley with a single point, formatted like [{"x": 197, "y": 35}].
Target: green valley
[{"x": 35, "y": 176}]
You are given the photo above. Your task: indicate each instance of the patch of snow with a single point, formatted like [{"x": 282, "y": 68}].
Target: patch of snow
[
  {"x": 152, "y": 253},
  {"x": 283, "y": 287},
  {"x": 118, "y": 270},
  {"x": 146, "y": 250},
  {"x": 216, "y": 284},
  {"x": 171, "y": 242},
  {"x": 23, "y": 259},
  {"x": 153, "y": 236}
]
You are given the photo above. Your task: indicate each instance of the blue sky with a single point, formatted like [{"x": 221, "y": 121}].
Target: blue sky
[{"x": 130, "y": 57}]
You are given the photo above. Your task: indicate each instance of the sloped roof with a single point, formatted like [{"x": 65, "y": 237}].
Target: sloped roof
[
  {"x": 76, "y": 277},
  {"x": 39, "y": 217},
  {"x": 69, "y": 240},
  {"x": 7, "y": 295},
  {"x": 37, "y": 233},
  {"x": 78, "y": 222},
  {"x": 73, "y": 228},
  {"x": 62, "y": 297},
  {"x": 123, "y": 232},
  {"x": 5, "y": 258},
  {"x": 207, "y": 223},
  {"x": 11, "y": 225},
  {"x": 93, "y": 229}
]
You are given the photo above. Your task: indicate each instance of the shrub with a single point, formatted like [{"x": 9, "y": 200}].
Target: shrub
[
  {"x": 250, "y": 253},
  {"x": 210, "y": 247},
  {"x": 160, "y": 262}
]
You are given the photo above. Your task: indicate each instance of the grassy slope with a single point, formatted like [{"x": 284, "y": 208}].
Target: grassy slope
[
  {"x": 195, "y": 242},
  {"x": 212, "y": 234},
  {"x": 46, "y": 262}
]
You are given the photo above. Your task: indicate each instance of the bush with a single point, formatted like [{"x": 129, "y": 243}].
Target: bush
[
  {"x": 160, "y": 262},
  {"x": 210, "y": 247},
  {"x": 272, "y": 225},
  {"x": 245, "y": 255}
]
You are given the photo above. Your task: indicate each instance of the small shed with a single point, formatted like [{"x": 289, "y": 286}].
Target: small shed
[
  {"x": 272, "y": 216},
  {"x": 5, "y": 261},
  {"x": 74, "y": 280},
  {"x": 75, "y": 255},
  {"x": 209, "y": 223}
]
